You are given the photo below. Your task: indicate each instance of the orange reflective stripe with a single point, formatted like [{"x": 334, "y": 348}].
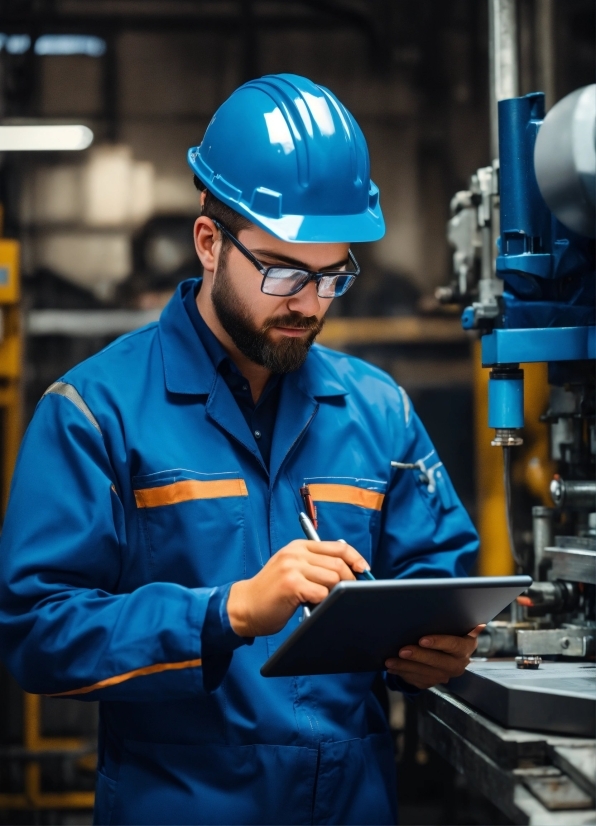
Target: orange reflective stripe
[
  {"x": 348, "y": 494},
  {"x": 189, "y": 489},
  {"x": 121, "y": 678}
]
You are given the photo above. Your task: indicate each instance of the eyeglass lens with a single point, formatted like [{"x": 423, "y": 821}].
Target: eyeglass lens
[{"x": 284, "y": 281}]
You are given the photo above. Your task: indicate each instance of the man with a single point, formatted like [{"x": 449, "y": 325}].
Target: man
[{"x": 151, "y": 556}]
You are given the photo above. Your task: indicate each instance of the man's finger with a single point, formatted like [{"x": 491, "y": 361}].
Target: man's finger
[
  {"x": 350, "y": 555},
  {"x": 475, "y": 631},
  {"x": 313, "y": 592},
  {"x": 407, "y": 669},
  {"x": 332, "y": 563},
  {"x": 416, "y": 673},
  {"x": 456, "y": 646},
  {"x": 433, "y": 659}
]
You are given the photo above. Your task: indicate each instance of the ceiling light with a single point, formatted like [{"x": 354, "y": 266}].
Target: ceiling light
[
  {"x": 15, "y": 43},
  {"x": 44, "y": 138},
  {"x": 67, "y": 44}
]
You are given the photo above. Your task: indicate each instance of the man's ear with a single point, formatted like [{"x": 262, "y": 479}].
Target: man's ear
[{"x": 206, "y": 238}]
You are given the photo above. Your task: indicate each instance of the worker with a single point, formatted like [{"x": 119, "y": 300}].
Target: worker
[{"x": 151, "y": 556}]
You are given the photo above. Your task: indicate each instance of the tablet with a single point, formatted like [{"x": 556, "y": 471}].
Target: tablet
[{"x": 360, "y": 624}]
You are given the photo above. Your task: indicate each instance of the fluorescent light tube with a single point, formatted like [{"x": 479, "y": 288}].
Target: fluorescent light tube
[{"x": 44, "y": 138}]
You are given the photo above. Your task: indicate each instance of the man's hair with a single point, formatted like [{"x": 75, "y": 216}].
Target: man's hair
[{"x": 214, "y": 208}]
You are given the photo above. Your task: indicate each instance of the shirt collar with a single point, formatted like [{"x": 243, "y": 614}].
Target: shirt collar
[{"x": 190, "y": 369}]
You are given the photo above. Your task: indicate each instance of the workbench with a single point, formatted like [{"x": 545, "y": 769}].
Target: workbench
[{"x": 532, "y": 777}]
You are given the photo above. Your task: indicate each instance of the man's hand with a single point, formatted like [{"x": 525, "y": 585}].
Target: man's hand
[
  {"x": 435, "y": 660},
  {"x": 302, "y": 571}
]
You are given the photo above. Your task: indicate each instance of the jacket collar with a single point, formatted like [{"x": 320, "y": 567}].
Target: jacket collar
[
  {"x": 189, "y": 370},
  {"x": 187, "y": 366}
]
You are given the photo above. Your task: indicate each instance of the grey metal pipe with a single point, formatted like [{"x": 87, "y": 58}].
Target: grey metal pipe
[
  {"x": 542, "y": 530},
  {"x": 573, "y": 494},
  {"x": 545, "y": 52},
  {"x": 503, "y": 60}
]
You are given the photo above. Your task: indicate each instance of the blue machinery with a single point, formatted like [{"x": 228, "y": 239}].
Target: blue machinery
[
  {"x": 547, "y": 310},
  {"x": 535, "y": 302},
  {"x": 524, "y": 270},
  {"x": 538, "y": 304}
]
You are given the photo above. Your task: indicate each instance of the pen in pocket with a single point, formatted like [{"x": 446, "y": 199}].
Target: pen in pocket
[
  {"x": 310, "y": 533},
  {"x": 309, "y": 505}
]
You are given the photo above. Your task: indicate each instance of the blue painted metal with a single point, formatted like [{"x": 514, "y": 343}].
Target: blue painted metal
[
  {"x": 539, "y": 264},
  {"x": 547, "y": 309},
  {"x": 519, "y": 313},
  {"x": 525, "y": 218},
  {"x": 467, "y": 318},
  {"x": 534, "y": 247},
  {"x": 538, "y": 344},
  {"x": 548, "y": 270},
  {"x": 506, "y": 402}
]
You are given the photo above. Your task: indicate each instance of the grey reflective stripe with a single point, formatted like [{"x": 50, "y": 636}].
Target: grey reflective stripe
[
  {"x": 60, "y": 388},
  {"x": 406, "y": 402}
]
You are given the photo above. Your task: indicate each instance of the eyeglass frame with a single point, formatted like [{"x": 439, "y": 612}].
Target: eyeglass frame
[{"x": 312, "y": 276}]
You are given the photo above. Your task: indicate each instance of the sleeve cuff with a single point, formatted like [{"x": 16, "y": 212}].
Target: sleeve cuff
[
  {"x": 218, "y": 638},
  {"x": 396, "y": 683}
]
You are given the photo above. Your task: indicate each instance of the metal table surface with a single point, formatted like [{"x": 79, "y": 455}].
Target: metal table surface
[
  {"x": 559, "y": 697},
  {"x": 534, "y": 778}
]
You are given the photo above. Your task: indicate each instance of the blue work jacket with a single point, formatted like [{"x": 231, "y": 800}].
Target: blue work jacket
[{"x": 138, "y": 492}]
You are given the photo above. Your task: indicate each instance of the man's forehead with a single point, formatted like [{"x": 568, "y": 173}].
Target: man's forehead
[{"x": 315, "y": 256}]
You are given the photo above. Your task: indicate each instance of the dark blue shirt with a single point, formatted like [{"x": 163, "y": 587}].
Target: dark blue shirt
[{"x": 260, "y": 417}]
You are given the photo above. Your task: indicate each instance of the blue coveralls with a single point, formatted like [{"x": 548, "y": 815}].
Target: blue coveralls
[{"x": 139, "y": 492}]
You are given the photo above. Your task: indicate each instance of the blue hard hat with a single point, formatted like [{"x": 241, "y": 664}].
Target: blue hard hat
[{"x": 287, "y": 155}]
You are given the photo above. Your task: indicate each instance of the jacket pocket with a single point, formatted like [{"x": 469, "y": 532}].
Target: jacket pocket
[
  {"x": 356, "y": 782},
  {"x": 161, "y": 783},
  {"x": 349, "y": 508},
  {"x": 193, "y": 525}
]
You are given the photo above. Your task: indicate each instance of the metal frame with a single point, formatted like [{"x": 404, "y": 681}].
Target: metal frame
[
  {"x": 37, "y": 746},
  {"x": 538, "y": 345},
  {"x": 530, "y": 776},
  {"x": 34, "y": 744}
]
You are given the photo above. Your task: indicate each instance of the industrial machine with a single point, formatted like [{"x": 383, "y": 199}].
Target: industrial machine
[
  {"x": 536, "y": 303},
  {"x": 524, "y": 270}
]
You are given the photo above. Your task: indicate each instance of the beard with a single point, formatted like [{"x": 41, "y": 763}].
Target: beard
[{"x": 254, "y": 342}]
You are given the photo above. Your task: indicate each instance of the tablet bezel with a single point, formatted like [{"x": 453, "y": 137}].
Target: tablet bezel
[{"x": 343, "y": 593}]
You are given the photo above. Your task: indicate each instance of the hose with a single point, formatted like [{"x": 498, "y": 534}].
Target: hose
[{"x": 508, "y": 514}]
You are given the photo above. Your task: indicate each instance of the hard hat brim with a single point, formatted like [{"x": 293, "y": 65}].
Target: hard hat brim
[
  {"x": 320, "y": 229},
  {"x": 298, "y": 229}
]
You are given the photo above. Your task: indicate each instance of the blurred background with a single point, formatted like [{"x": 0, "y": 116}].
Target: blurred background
[{"x": 105, "y": 235}]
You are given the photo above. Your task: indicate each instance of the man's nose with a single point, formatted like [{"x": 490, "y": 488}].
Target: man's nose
[{"x": 306, "y": 301}]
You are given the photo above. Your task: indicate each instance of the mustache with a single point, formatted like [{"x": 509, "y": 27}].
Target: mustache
[{"x": 294, "y": 320}]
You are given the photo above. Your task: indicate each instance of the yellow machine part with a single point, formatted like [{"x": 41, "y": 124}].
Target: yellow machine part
[
  {"x": 11, "y": 357},
  {"x": 532, "y": 465}
]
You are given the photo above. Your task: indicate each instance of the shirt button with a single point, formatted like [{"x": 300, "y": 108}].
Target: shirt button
[
  {"x": 257, "y": 434},
  {"x": 245, "y": 386}
]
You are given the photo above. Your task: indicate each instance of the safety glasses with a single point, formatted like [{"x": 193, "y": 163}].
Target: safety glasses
[{"x": 290, "y": 280}]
